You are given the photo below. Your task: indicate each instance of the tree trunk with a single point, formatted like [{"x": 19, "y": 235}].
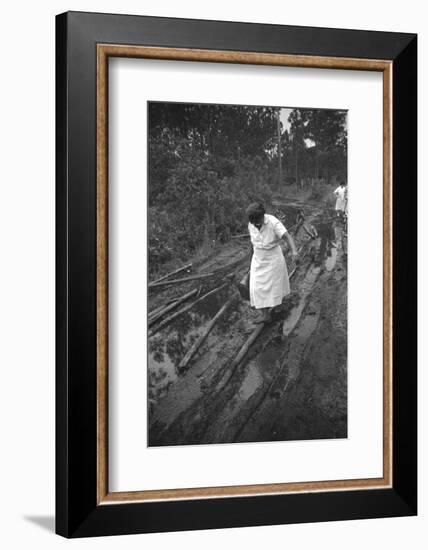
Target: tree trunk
[
  {"x": 279, "y": 148},
  {"x": 317, "y": 164},
  {"x": 296, "y": 166}
]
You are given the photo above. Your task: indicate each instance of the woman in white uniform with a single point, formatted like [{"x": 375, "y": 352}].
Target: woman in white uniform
[
  {"x": 341, "y": 199},
  {"x": 269, "y": 282}
]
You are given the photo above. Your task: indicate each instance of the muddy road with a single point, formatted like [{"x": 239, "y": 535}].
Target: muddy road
[{"x": 291, "y": 383}]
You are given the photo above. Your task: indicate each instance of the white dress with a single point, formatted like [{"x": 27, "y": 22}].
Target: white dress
[
  {"x": 269, "y": 281},
  {"x": 340, "y": 193}
]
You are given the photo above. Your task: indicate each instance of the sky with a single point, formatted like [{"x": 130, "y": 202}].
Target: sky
[{"x": 283, "y": 116}]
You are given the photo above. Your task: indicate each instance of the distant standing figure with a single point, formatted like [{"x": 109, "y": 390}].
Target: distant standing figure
[
  {"x": 269, "y": 282},
  {"x": 341, "y": 199}
]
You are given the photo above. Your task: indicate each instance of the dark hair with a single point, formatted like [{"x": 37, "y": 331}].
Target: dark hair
[{"x": 255, "y": 211}]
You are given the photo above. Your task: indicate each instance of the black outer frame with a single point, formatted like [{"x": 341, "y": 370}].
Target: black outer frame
[{"x": 77, "y": 513}]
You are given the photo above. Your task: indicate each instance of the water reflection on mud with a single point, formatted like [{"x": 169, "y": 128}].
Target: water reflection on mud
[
  {"x": 330, "y": 261},
  {"x": 251, "y": 383},
  {"x": 166, "y": 349},
  {"x": 331, "y": 238},
  {"x": 304, "y": 291}
]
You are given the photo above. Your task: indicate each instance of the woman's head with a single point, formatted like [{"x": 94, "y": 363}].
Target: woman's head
[{"x": 255, "y": 213}]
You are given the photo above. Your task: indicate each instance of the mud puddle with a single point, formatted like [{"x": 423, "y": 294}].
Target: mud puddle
[
  {"x": 251, "y": 383},
  {"x": 168, "y": 347},
  {"x": 305, "y": 289}
]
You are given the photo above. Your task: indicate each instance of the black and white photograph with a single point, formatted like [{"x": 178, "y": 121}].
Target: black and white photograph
[
  {"x": 247, "y": 273},
  {"x": 213, "y": 264}
]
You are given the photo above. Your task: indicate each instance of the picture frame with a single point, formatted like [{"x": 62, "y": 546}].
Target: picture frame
[{"x": 84, "y": 44}]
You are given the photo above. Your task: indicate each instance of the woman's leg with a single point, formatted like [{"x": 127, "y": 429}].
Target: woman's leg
[{"x": 265, "y": 315}]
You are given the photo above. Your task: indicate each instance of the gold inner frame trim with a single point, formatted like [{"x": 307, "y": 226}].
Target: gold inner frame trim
[{"x": 104, "y": 51}]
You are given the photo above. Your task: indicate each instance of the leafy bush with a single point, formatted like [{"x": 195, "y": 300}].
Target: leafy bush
[{"x": 196, "y": 205}]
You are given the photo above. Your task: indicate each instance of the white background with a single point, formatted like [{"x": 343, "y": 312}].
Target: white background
[
  {"x": 27, "y": 274},
  {"x": 132, "y": 83}
]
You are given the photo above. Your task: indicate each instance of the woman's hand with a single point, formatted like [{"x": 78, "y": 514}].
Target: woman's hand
[{"x": 291, "y": 244}]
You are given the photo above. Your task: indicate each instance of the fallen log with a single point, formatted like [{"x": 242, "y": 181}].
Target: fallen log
[
  {"x": 255, "y": 408},
  {"x": 197, "y": 344},
  {"x": 297, "y": 226},
  {"x": 293, "y": 272},
  {"x": 299, "y": 259},
  {"x": 312, "y": 234},
  {"x": 292, "y": 228},
  {"x": 169, "y": 319},
  {"x": 164, "y": 310},
  {"x": 184, "y": 280},
  {"x": 179, "y": 270},
  {"x": 157, "y": 309},
  {"x": 200, "y": 275},
  {"x": 244, "y": 350},
  {"x": 242, "y": 353}
]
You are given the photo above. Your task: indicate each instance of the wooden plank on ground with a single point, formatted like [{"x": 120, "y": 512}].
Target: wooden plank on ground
[
  {"x": 174, "y": 304},
  {"x": 244, "y": 350},
  {"x": 179, "y": 270},
  {"x": 169, "y": 319},
  {"x": 197, "y": 344},
  {"x": 201, "y": 275}
]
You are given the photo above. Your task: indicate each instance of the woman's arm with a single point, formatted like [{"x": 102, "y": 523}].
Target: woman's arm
[{"x": 291, "y": 243}]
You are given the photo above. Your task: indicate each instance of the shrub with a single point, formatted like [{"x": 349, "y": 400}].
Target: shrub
[{"x": 196, "y": 204}]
